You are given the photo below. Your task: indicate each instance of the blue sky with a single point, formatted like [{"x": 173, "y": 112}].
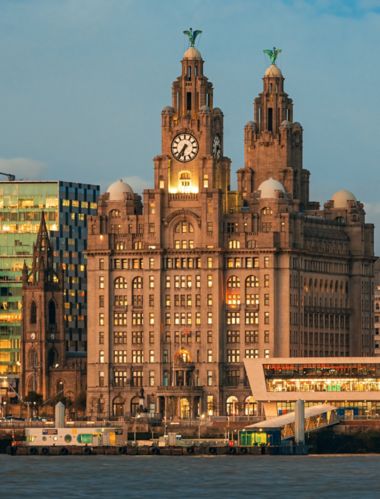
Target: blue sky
[{"x": 83, "y": 82}]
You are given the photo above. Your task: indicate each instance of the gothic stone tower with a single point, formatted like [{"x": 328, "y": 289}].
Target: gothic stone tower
[
  {"x": 42, "y": 346},
  {"x": 273, "y": 143}
]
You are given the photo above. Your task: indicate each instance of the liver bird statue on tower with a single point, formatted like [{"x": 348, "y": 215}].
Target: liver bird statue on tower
[
  {"x": 272, "y": 54},
  {"x": 192, "y": 35}
]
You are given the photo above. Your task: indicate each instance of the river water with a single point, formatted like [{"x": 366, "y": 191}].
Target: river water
[{"x": 221, "y": 477}]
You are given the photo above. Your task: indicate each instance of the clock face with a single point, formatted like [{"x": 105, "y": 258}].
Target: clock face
[
  {"x": 184, "y": 147},
  {"x": 217, "y": 147}
]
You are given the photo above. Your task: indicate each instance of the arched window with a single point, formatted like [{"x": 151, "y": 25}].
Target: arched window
[
  {"x": 137, "y": 283},
  {"x": 232, "y": 406},
  {"x": 51, "y": 312},
  {"x": 233, "y": 282},
  {"x": 120, "y": 283},
  {"x": 118, "y": 406},
  {"x": 250, "y": 406},
  {"x": 33, "y": 313},
  {"x": 252, "y": 281}
]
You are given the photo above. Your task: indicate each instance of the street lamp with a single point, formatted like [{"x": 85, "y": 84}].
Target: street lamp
[
  {"x": 135, "y": 431},
  {"x": 4, "y": 409}
]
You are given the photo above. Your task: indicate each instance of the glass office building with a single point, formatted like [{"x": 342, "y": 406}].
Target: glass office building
[{"x": 66, "y": 206}]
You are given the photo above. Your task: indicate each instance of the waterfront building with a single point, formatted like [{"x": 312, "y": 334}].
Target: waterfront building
[
  {"x": 376, "y": 306},
  {"x": 187, "y": 282},
  {"x": 352, "y": 385},
  {"x": 66, "y": 206}
]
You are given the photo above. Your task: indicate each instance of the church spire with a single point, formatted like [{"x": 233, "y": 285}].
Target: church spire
[{"x": 43, "y": 265}]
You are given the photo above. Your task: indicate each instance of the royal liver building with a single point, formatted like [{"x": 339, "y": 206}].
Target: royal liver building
[{"x": 191, "y": 279}]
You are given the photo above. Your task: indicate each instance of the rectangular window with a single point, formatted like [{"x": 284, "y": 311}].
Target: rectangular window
[
  {"x": 137, "y": 356},
  {"x": 151, "y": 282},
  {"x": 209, "y": 317},
  {"x": 101, "y": 338},
  {"x": 233, "y": 317},
  {"x": 251, "y": 317},
  {"x": 151, "y": 318},
  {"x": 252, "y": 299},
  {"x": 209, "y": 378},
  {"x": 151, "y": 263},
  {"x": 137, "y": 318},
  {"x": 266, "y": 262},
  {"x": 209, "y": 336},
  {"x": 137, "y": 378},
  {"x": 233, "y": 355},
  {"x": 209, "y": 262},
  {"x": 151, "y": 337},
  {"x": 209, "y": 355},
  {"x": 233, "y": 336},
  {"x": 137, "y": 337},
  {"x": 101, "y": 319},
  {"x": 251, "y": 337},
  {"x": 266, "y": 336},
  {"x": 101, "y": 263},
  {"x": 101, "y": 356},
  {"x": 151, "y": 356},
  {"x": 266, "y": 354},
  {"x": 209, "y": 300},
  {"x": 210, "y": 405},
  {"x": 188, "y": 101},
  {"x": 120, "y": 356},
  {"x": 209, "y": 281},
  {"x": 266, "y": 318},
  {"x": 152, "y": 381},
  {"x": 101, "y": 378},
  {"x": 197, "y": 336},
  {"x": 266, "y": 280},
  {"x": 120, "y": 378},
  {"x": 120, "y": 337},
  {"x": 266, "y": 299},
  {"x": 101, "y": 282},
  {"x": 119, "y": 318}
]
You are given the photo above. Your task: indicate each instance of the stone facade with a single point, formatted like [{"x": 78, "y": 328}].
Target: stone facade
[
  {"x": 46, "y": 368},
  {"x": 187, "y": 282},
  {"x": 376, "y": 306}
]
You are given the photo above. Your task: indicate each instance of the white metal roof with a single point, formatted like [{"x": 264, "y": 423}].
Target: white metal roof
[{"x": 280, "y": 421}]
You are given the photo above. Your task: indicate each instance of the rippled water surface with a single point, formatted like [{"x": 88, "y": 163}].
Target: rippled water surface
[{"x": 187, "y": 477}]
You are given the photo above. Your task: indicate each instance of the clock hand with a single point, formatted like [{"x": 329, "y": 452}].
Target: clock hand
[{"x": 182, "y": 152}]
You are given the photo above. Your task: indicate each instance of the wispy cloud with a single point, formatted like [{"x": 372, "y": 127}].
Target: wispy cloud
[{"x": 23, "y": 167}]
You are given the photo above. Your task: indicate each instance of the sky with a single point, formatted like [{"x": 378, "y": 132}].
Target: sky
[{"x": 83, "y": 83}]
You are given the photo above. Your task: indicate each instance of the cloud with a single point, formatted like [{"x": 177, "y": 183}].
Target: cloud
[{"x": 25, "y": 168}]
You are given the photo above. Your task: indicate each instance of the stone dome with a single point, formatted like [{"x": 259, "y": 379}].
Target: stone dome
[
  {"x": 273, "y": 71},
  {"x": 340, "y": 198},
  {"x": 270, "y": 188},
  {"x": 118, "y": 189},
  {"x": 192, "y": 53}
]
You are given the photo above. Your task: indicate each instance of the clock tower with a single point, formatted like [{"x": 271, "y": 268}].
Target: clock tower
[{"x": 192, "y": 134}]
